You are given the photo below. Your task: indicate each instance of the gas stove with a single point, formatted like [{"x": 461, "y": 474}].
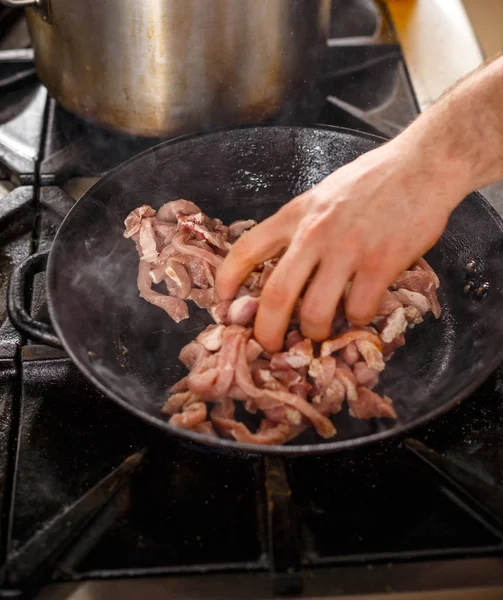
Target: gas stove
[{"x": 89, "y": 494}]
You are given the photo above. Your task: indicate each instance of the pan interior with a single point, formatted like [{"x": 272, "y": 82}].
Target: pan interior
[{"x": 130, "y": 348}]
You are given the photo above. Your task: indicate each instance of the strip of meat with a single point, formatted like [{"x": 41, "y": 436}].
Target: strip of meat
[
  {"x": 415, "y": 299},
  {"x": 346, "y": 376},
  {"x": 192, "y": 416},
  {"x": 148, "y": 243},
  {"x": 169, "y": 211},
  {"x": 176, "y": 308},
  {"x": 133, "y": 220},
  {"x": 422, "y": 282},
  {"x": 203, "y": 298},
  {"x": 322, "y": 370},
  {"x": 368, "y": 405},
  {"x": 242, "y": 311},
  {"x": 350, "y": 354},
  {"x": 413, "y": 316},
  {"x": 424, "y": 265},
  {"x": 178, "y": 274},
  {"x": 329, "y": 390},
  {"x": 206, "y": 428},
  {"x": 365, "y": 375},
  {"x": 215, "y": 380},
  {"x": 299, "y": 355},
  {"x": 288, "y": 377},
  {"x": 233, "y": 338},
  {"x": 219, "y": 311},
  {"x": 183, "y": 248},
  {"x": 261, "y": 372},
  {"x": 157, "y": 274},
  {"x": 253, "y": 350},
  {"x": 201, "y": 381},
  {"x": 340, "y": 341},
  {"x": 267, "y": 400},
  {"x": 396, "y": 324},
  {"x": 237, "y": 228},
  {"x": 276, "y": 434},
  {"x": 292, "y": 338},
  {"x": 217, "y": 239},
  {"x": 180, "y": 245},
  {"x": 200, "y": 272},
  {"x": 389, "y": 303},
  {"x": 165, "y": 232},
  {"x": 252, "y": 281},
  {"x": 176, "y": 402},
  {"x": 302, "y": 389},
  {"x": 243, "y": 379},
  {"x": 244, "y": 291},
  {"x": 371, "y": 355},
  {"x": 389, "y": 349},
  {"x": 211, "y": 338},
  {"x": 193, "y": 354},
  {"x": 180, "y": 386},
  {"x": 165, "y": 254}
]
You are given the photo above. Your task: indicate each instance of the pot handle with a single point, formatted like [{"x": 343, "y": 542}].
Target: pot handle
[
  {"x": 41, "y": 5},
  {"x": 16, "y": 301},
  {"x": 20, "y": 3}
]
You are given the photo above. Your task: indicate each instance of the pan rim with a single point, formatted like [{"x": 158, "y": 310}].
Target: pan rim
[{"x": 201, "y": 439}]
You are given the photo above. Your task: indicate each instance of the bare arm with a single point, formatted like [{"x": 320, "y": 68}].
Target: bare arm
[
  {"x": 370, "y": 219},
  {"x": 464, "y": 129}
]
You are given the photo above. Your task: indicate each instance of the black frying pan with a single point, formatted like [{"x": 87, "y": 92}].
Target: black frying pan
[{"x": 129, "y": 348}]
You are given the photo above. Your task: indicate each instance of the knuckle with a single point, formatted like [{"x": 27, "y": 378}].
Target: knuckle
[{"x": 310, "y": 232}]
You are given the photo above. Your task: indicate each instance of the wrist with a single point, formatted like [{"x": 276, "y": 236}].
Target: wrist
[{"x": 436, "y": 165}]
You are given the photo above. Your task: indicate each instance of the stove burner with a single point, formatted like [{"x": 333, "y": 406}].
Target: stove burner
[{"x": 89, "y": 492}]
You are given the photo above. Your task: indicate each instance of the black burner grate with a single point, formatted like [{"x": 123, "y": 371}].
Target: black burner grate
[{"x": 89, "y": 492}]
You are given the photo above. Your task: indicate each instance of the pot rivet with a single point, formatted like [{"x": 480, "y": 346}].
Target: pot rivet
[
  {"x": 471, "y": 266},
  {"x": 482, "y": 291},
  {"x": 468, "y": 289}
]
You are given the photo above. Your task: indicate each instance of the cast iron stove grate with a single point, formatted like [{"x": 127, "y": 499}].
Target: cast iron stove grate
[{"x": 91, "y": 493}]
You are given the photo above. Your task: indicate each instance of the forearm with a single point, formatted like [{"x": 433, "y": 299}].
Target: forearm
[{"x": 459, "y": 140}]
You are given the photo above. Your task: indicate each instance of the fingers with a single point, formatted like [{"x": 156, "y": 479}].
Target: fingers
[
  {"x": 366, "y": 292},
  {"x": 280, "y": 295},
  {"x": 376, "y": 272},
  {"x": 257, "y": 245},
  {"x": 320, "y": 301}
]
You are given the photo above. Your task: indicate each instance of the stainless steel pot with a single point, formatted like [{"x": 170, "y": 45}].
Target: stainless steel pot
[{"x": 159, "y": 67}]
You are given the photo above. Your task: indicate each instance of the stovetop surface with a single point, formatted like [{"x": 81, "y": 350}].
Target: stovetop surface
[{"x": 88, "y": 491}]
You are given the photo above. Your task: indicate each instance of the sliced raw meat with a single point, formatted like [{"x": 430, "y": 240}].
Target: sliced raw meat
[
  {"x": 211, "y": 338},
  {"x": 133, "y": 220},
  {"x": 365, "y": 375},
  {"x": 170, "y": 211},
  {"x": 204, "y": 298},
  {"x": 415, "y": 299},
  {"x": 178, "y": 274},
  {"x": 395, "y": 325},
  {"x": 237, "y": 228},
  {"x": 148, "y": 243},
  {"x": 242, "y": 311},
  {"x": 180, "y": 245},
  {"x": 292, "y": 390},
  {"x": 352, "y": 335},
  {"x": 176, "y": 308},
  {"x": 368, "y": 405},
  {"x": 191, "y": 416}
]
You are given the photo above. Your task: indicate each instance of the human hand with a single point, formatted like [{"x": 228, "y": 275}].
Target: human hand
[{"x": 365, "y": 223}]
